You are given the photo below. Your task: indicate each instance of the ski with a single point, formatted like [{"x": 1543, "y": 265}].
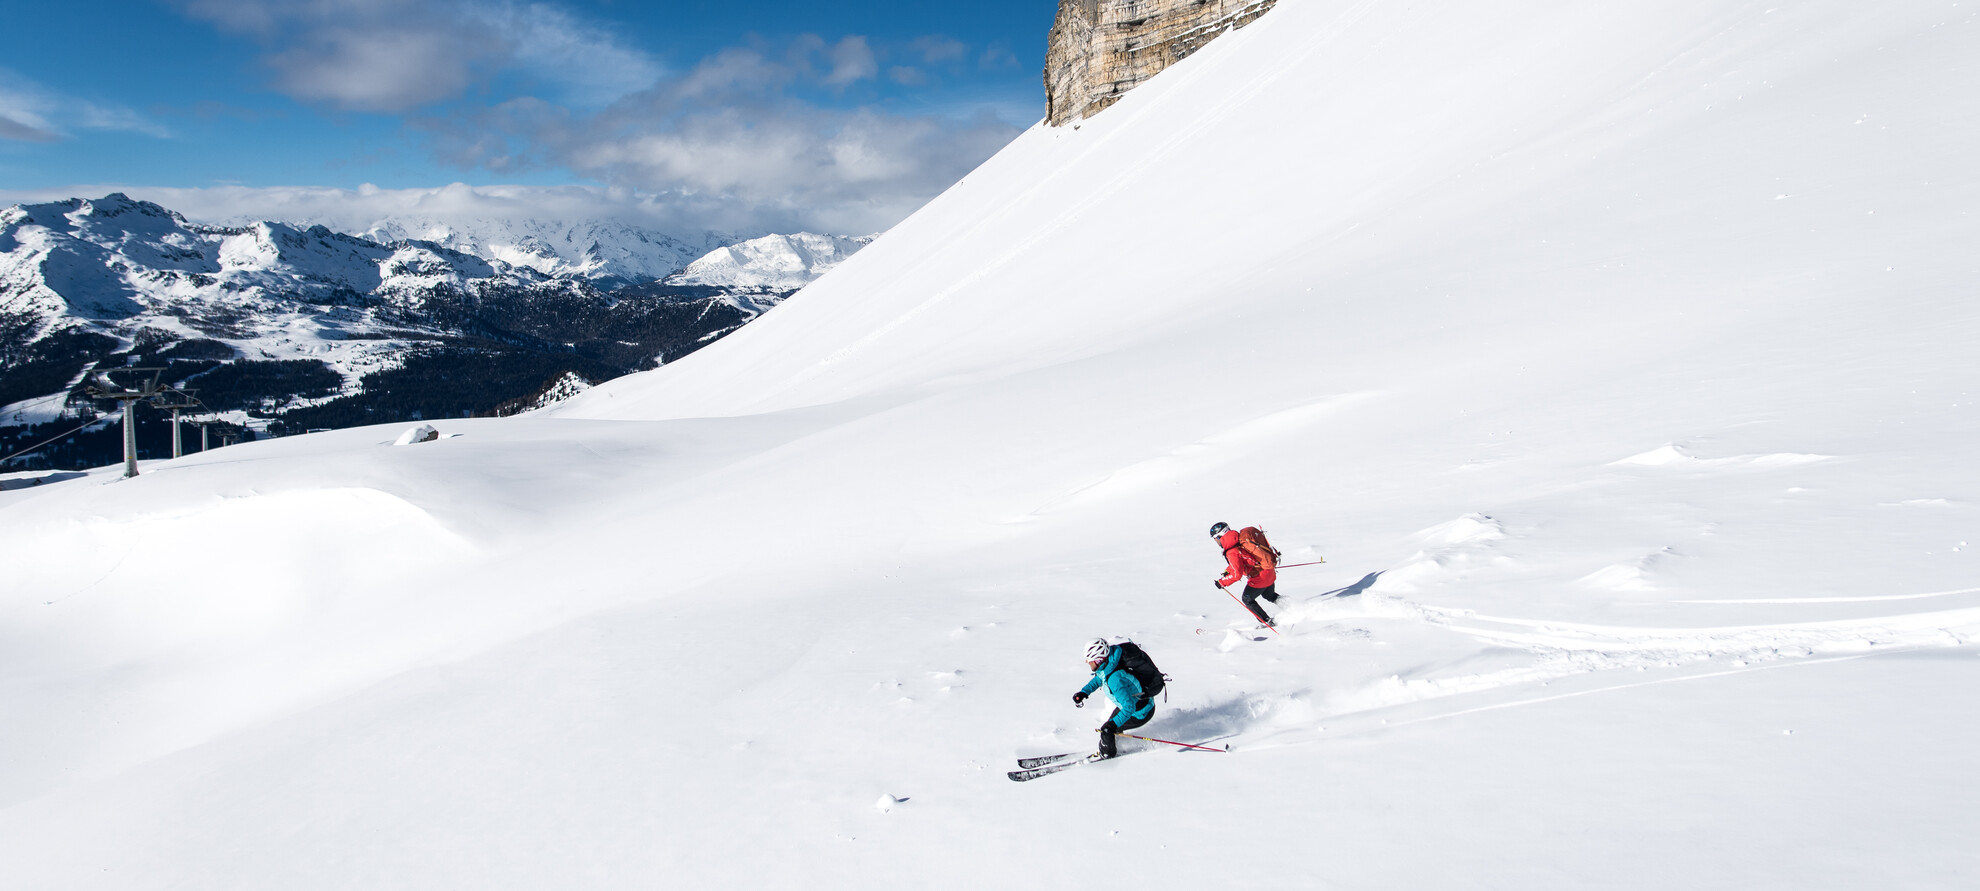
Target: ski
[
  {"x": 1247, "y": 609},
  {"x": 1043, "y": 760},
  {"x": 1020, "y": 776}
]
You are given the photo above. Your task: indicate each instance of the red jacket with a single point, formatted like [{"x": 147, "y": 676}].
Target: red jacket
[{"x": 1242, "y": 565}]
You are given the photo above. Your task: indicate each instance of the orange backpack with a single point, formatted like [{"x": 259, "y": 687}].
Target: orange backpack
[{"x": 1251, "y": 542}]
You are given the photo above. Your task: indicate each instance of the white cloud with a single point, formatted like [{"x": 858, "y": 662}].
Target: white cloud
[
  {"x": 381, "y": 71},
  {"x": 729, "y": 138},
  {"x": 852, "y": 61},
  {"x": 388, "y": 56},
  {"x": 732, "y": 144},
  {"x": 769, "y": 167},
  {"x": 22, "y": 126},
  {"x": 591, "y": 65},
  {"x": 935, "y": 49},
  {"x": 30, "y": 112},
  {"x": 997, "y": 56},
  {"x": 92, "y": 116},
  {"x": 21, "y": 106}
]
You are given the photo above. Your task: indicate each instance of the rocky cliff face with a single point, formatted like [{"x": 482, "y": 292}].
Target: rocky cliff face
[{"x": 1100, "y": 49}]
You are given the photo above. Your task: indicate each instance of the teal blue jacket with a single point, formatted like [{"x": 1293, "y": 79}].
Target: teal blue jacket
[{"x": 1122, "y": 686}]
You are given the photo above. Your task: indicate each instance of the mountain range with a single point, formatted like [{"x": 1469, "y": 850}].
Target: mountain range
[
  {"x": 608, "y": 253},
  {"x": 281, "y": 327}
]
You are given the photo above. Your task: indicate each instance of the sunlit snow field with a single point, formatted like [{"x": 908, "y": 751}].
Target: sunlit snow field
[{"x": 1618, "y": 359}]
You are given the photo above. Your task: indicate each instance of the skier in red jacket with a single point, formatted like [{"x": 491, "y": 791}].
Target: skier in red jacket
[{"x": 1262, "y": 575}]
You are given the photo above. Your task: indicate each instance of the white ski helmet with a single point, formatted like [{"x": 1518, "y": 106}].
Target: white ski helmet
[{"x": 1097, "y": 650}]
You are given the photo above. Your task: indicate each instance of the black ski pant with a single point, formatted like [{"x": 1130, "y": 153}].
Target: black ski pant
[
  {"x": 1251, "y": 596},
  {"x": 1115, "y": 725}
]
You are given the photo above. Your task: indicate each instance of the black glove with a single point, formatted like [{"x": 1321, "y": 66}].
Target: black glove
[
  {"x": 1220, "y": 585},
  {"x": 1079, "y": 700}
]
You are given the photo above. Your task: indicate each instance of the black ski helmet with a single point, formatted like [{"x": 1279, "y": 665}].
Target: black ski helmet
[{"x": 1217, "y": 530}]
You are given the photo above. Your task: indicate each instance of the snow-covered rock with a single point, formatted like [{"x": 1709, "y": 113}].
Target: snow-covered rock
[{"x": 419, "y": 434}]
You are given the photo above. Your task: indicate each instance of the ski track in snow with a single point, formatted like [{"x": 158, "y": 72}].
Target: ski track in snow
[
  {"x": 1562, "y": 649},
  {"x": 1629, "y": 647},
  {"x": 1877, "y": 598},
  {"x": 1610, "y": 689}
]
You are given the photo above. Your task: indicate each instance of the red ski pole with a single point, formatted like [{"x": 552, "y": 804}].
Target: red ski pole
[
  {"x": 1247, "y": 610},
  {"x": 1172, "y": 742}
]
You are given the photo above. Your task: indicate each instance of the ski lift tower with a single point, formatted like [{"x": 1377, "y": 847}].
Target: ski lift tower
[
  {"x": 185, "y": 400},
  {"x": 128, "y": 399}
]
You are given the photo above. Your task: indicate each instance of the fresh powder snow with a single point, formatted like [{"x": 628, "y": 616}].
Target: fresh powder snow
[{"x": 1617, "y": 359}]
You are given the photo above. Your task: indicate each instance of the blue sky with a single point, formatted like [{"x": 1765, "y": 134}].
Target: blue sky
[{"x": 750, "y": 112}]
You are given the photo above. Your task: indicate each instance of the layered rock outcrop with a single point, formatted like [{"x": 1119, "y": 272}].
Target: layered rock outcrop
[{"x": 1100, "y": 49}]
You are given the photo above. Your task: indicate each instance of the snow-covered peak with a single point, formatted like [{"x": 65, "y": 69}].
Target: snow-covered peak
[
  {"x": 771, "y": 263},
  {"x": 117, "y": 212},
  {"x": 313, "y": 253},
  {"x": 111, "y": 222}
]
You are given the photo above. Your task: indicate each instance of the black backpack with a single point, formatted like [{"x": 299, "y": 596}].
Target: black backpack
[{"x": 1135, "y": 661}]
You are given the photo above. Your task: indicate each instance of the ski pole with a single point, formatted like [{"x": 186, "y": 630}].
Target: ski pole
[
  {"x": 1314, "y": 563},
  {"x": 1171, "y": 742},
  {"x": 1248, "y": 610}
]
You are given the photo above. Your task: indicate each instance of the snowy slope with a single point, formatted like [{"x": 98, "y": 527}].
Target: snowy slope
[{"x": 1616, "y": 359}]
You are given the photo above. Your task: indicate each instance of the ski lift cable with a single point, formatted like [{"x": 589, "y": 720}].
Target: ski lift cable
[{"x": 44, "y": 442}]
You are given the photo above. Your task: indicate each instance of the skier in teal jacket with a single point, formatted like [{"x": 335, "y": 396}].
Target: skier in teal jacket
[{"x": 1132, "y": 707}]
